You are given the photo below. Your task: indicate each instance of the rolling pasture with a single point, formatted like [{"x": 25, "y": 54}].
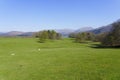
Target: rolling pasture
[{"x": 26, "y": 59}]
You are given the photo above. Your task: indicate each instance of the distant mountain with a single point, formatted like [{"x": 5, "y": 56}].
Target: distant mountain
[
  {"x": 17, "y": 33},
  {"x": 65, "y": 32},
  {"x": 12, "y": 33},
  {"x": 104, "y": 29},
  {"x": 1, "y": 33},
  {"x": 27, "y": 34},
  {"x": 118, "y": 20},
  {"x": 84, "y": 29}
]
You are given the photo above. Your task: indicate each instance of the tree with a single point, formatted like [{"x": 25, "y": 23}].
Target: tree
[
  {"x": 53, "y": 35},
  {"x": 49, "y": 34},
  {"x": 58, "y": 36},
  {"x": 72, "y": 35},
  {"x": 113, "y": 38},
  {"x": 90, "y": 36},
  {"x": 84, "y": 36},
  {"x": 80, "y": 37},
  {"x": 43, "y": 36},
  {"x": 100, "y": 37}
]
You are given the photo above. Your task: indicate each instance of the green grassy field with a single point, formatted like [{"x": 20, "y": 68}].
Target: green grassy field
[{"x": 21, "y": 59}]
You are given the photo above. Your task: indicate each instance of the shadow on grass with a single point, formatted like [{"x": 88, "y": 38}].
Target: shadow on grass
[
  {"x": 84, "y": 42},
  {"x": 40, "y": 42},
  {"x": 99, "y": 46}
]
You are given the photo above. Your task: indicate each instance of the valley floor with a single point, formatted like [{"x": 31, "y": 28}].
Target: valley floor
[{"x": 26, "y": 59}]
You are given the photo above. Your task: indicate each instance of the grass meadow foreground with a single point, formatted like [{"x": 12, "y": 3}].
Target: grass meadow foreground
[{"x": 26, "y": 59}]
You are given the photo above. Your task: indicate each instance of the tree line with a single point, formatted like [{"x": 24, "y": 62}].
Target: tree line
[
  {"x": 112, "y": 39},
  {"x": 108, "y": 39},
  {"x": 47, "y": 34},
  {"x": 82, "y": 37}
]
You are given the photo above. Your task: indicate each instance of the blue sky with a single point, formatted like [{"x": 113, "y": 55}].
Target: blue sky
[{"x": 35, "y": 15}]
